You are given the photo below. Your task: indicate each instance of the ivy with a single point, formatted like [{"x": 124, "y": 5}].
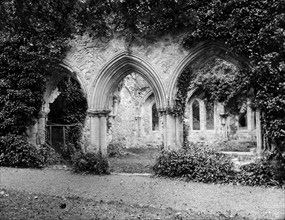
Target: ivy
[
  {"x": 34, "y": 36},
  {"x": 256, "y": 31},
  {"x": 70, "y": 107}
]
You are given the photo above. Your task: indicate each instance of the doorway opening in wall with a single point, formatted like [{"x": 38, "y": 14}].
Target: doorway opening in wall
[
  {"x": 66, "y": 118},
  {"x": 134, "y": 134}
]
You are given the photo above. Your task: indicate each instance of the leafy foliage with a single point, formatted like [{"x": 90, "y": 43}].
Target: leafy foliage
[
  {"x": 255, "y": 31},
  {"x": 195, "y": 163},
  {"x": 70, "y": 108},
  {"x": 33, "y": 38},
  {"x": 116, "y": 148},
  {"x": 34, "y": 35},
  {"x": 91, "y": 163},
  {"x": 15, "y": 151},
  {"x": 134, "y": 18}
]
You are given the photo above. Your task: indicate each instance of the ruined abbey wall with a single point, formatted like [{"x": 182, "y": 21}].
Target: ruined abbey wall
[{"x": 100, "y": 66}]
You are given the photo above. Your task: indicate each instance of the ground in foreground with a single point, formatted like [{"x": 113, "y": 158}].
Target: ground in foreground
[{"x": 23, "y": 205}]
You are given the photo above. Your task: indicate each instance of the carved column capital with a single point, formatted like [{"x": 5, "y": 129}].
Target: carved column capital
[
  {"x": 162, "y": 111},
  {"x": 98, "y": 113}
]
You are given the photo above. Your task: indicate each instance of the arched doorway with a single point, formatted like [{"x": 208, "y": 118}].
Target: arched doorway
[
  {"x": 104, "y": 100},
  {"x": 208, "y": 121},
  {"x": 38, "y": 132}
]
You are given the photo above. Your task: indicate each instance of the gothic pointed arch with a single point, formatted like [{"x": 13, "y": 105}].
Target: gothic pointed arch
[
  {"x": 105, "y": 84},
  {"x": 198, "y": 57},
  {"x": 56, "y": 76}
]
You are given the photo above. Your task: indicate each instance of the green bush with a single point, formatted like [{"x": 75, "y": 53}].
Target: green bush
[
  {"x": 91, "y": 163},
  {"x": 15, "y": 151},
  {"x": 265, "y": 172},
  {"x": 202, "y": 165},
  {"x": 207, "y": 166},
  {"x": 116, "y": 148},
  {"x": 51, "y": 157}
]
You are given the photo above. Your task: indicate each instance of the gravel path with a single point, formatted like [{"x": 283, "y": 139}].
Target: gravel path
[{"x": 252, "y": 202}]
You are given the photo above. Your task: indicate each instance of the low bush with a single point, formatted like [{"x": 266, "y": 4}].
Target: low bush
[
  {"x": 208, "y": 166},
  {"x": 51, "y": 157},
  {"x": 91, "y": 163},
  {"x": 15, "y": 151},
  {"x": 269, "y": 171},
  {"x": 193, "y": 163},
  {"x": 116, "y": 148}
]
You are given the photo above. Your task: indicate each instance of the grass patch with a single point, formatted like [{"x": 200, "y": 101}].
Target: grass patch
[{"x": 134, "y": 160}]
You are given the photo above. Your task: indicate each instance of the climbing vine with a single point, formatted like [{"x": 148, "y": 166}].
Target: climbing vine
[
  {"x": 33, "y": 36},
  {"x": 255, "y": 30},
  {"x": 70, "y": 107}
]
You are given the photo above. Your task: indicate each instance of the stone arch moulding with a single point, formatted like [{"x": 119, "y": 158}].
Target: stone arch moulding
[
  {"x": 113, "y": 72},
  {"x": 58, "y": 74},
  {"x": 36, "y": 132},
  {"x": 200, "y": 55},
  {"x": 146, "y": 97}
]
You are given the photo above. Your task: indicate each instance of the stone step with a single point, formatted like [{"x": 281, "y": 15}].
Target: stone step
[{"x": 240, "y": 159}]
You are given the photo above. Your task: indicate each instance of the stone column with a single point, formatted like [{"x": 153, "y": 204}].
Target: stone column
[
  {"x": 163, "y": 130},
  {"x": 98, "y": 131},
  {"x": 250, "y": 115},
  {"x": 103, "y": 134},
  {"x": 172, "y": 131},
  {"x": 178, "y": 133},
  {"x": 258, "y": 134},
  {"x": 94, "y": 132},
  {"x": 41, "y": 128}
]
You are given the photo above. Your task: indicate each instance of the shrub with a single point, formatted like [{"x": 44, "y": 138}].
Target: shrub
[
  {"x": 15, "y": 151},
  {"x": 51, "y": 157},
  {"x": 202, "y": 165},
  {"x": 91, "y": 163},
  {"x": 116, "y": 148},
  {"x": 269, "y": 171},
  {"x": 207, "y": 166}
]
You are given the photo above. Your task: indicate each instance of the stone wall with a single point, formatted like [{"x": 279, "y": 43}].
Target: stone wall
[
  {"x": 88, "y": 56},
  {"x": 132, "y": 123},
  {"x": 100, "y": 66}
]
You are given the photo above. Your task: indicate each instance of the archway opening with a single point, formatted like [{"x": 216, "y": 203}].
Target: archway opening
[
  {"x": 134, "y": 133},
  {"x": 66, "y": 117},
  {"x": 214, "y": 121}
]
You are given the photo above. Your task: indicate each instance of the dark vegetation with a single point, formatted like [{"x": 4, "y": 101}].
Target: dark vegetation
[
  {"x": 69, "y": 109},
  {"x": 195, "y": 163},
  {"x": 15, "y": 151},
  {"x": 90, "y": 163},
  {"x": 33, "y": 41}
]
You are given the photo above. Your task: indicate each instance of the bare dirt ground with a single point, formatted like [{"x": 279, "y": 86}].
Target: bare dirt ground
[{"x": 141, "y": 197}]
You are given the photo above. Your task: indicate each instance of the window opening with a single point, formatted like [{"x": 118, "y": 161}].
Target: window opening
[
  {"x": 209, "y": 115},
  {"x": 196, "y": 115},
  {"x": 155, "y": 118},
  {"x": 242, "y": 117}
]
